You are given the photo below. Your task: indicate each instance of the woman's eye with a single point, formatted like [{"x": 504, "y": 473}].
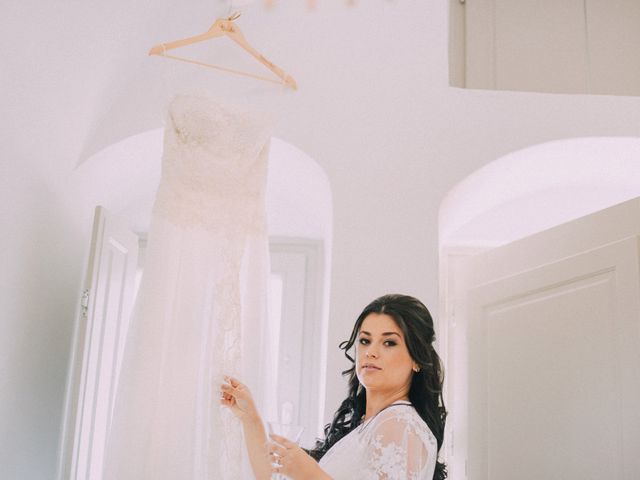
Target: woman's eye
[
  {"x": 363, "y": 341},
  {"x": 390, "y": 343}
]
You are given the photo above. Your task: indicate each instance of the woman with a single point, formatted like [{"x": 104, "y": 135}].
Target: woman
[{"x": 390, "y": 426}]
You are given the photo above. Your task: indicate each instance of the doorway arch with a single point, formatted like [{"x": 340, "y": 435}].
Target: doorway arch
[{"x": 535, "y": 188}]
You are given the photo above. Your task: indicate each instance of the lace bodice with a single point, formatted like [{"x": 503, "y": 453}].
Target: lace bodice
[
  {"x": 396, "y": 444},
  {"x": 214, "y": 164}
]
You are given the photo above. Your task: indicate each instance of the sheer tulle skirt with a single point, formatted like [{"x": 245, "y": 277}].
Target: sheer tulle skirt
[{"x": 200, "y": 313}]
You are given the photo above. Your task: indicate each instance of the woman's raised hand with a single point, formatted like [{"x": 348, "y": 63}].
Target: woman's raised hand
[{"x": 237, "y": 397}]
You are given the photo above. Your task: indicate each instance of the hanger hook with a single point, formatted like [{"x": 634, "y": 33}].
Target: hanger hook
[{"x": 232, "y": 16}]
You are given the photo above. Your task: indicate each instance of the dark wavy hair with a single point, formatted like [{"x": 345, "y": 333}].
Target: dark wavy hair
[{"x": 425, "y": 393}]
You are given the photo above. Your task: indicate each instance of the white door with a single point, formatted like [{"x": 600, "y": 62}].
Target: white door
[
  {"x": 552, "y": 328},
  {"x": 107, "y": 299}
]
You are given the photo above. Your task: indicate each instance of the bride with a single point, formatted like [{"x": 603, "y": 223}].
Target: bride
[{"x": 390, "y": 426}]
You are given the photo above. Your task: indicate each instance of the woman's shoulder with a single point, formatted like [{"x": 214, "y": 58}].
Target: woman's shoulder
[
  {"x": 401, "y": 419},
  {"x": 399, "y": 445}
]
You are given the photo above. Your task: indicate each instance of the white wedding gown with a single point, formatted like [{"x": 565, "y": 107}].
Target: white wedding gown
[
  {"x": 200, "y": 310},
  {"x": 396, "y": 444}
]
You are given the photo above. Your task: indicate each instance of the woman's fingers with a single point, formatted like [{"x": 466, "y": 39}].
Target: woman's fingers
[
  {"x": 288, "y": 458},
  {"x": 227, "y": 388},
  {"x": 230, "y": 389},
  {"x": 233, "y": 381},
  {"x": 276, "y": 449},
  {"x": 236, "y": 396},
  {"x": 291, "y": 460},
  {"x": 233, "y": 387},
  {"x": 277, "y": 454},
  {"x": 228, "y": 392}
]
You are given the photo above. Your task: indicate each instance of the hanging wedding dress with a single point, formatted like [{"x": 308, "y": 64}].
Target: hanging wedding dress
[
  {"x": 200, "y": 310},
  {"x": 395, "y": 444}
]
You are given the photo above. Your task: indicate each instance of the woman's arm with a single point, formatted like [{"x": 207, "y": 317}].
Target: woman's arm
[
  {"x": 255, "y": 439},
  {"x": 238, "y": 398}
]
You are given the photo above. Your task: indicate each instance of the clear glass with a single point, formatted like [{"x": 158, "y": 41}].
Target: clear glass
[{"x": 289, "y": 431}]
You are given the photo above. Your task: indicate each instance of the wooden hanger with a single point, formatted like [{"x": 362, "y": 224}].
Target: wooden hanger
[{"x": 226, "y": 26}]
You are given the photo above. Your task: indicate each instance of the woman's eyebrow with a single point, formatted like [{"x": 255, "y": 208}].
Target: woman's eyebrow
[{"x": 385, "y": 334}]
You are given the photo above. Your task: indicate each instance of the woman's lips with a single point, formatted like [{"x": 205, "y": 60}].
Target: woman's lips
[{"x": 370, "y": 368}]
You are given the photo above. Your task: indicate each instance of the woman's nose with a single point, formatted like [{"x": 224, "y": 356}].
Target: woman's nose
[{"x": 370, "y": 353}]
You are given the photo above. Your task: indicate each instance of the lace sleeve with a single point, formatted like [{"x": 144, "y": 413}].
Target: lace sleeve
[{"x": 397, "y": 446}]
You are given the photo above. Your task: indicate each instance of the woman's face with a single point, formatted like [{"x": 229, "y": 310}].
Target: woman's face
[{"x": 383, "y": 362}]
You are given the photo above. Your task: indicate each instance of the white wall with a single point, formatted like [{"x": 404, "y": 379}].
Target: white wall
[
  {"x": 374, "y": 109},
  {"x": 39, "y": 278}
]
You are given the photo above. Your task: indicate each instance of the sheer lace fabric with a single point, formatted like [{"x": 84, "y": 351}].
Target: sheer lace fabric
[
  {"x": 396, "y": 444},
  {"x": 201, "y": 305}
]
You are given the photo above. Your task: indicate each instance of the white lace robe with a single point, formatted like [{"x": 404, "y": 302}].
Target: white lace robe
[{"x": 396, "y": 444}]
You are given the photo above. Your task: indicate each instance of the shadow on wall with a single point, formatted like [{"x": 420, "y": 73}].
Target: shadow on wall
[{"x": 41, "y": 271}]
